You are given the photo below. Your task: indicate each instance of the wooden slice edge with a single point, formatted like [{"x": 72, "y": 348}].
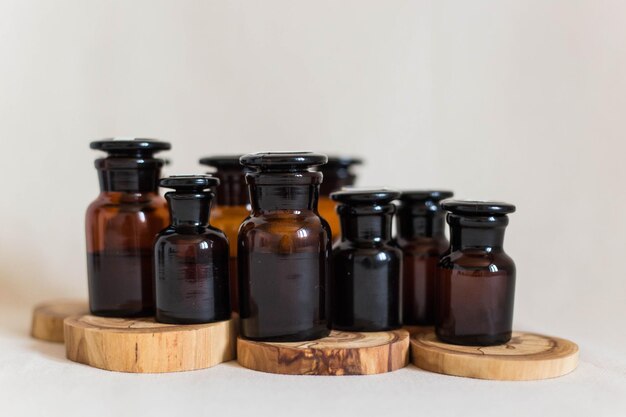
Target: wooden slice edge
[
  {"x": 48, "y": 316},
  {"x": 308, "y": 358},
  {"x": 559, "y": 360},
  {"x": 172, "y": 348}
]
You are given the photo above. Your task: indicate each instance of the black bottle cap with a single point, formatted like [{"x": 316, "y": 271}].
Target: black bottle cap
[
  {"x": 222, "y": 161},
  {"x": 477, "y": 208},
  {"x": 425, "y": 195},
  {"x": 339, "y": 162},
  {"x": 283, "y": 161},
  {"x": 130, "y": 147},
  {"x": 365, "y": 196},
  {"x": 189, "y": 183}
]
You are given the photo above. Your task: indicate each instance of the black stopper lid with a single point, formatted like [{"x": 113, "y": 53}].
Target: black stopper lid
[
  {"x": 130, "y": 147},
  {"x": 339, "y": 162},
  {"x": 189, "y": 183},
  {"x": 418, "y": 196},
  {"x": 283, "y": 161},
  {"x": 365, "y": 196},
  {"x": 477, "y": 208},
  {"x": 222, "y": 161}
]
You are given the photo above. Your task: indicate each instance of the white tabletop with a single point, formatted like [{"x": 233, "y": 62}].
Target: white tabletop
[{"x": 36, "y": 379}]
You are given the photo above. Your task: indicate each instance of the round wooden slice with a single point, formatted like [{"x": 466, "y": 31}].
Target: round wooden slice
[
  {"x": 526, "y": 356},
  {"x": 143, "y": 345},
  {"x": 47, "y": 323},
  {"x": 341, "y": 353}
]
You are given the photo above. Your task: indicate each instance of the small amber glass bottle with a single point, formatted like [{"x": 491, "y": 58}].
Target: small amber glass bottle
[
  {"x": 230, "y": 208},
  {"x": 284, "y": 250},
  {"x": 475, "y": 287},
  {"x": 121, "y": 225},
  {"x": 365, "y": 290},
  {"x": 420, "y": 224},
  {"x": 191, "y": 257},
  {"x": 337, "y": 174}
]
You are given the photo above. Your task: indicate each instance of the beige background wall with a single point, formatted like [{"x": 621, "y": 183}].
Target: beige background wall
[{"x": 516, "y": 100}]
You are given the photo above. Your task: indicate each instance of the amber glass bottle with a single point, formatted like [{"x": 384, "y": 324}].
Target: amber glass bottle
[
  {"x": 475, "y": 286},
  {"x": 337, "y": 174},
  {"x": 230, "y": 208},
  {"x": 420, "y": 224},
  {"x": 121, "y": 225},
  {"x": 191, "y": 257},
  {"x": 284, "y": 250},
  {"x": 365, "y": 288}
]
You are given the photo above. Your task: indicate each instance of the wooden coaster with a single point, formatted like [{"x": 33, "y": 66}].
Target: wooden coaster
[
  {"x": 527, "y": 356},
  {"x": 47, "y": 323},
  {"x": 145, "y": 346},
  {"x": 341, "y": 353}
]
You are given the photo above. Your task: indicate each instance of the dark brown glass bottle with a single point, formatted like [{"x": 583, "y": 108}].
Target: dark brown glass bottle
[
  {"x": 475, "y": 287},
  {"x": 191, "y": 257},
  {"x": 337, "y": 174},
  {"x": 121, "y": 225},
  {"x": 230, "y": 208},
  {"x": 420, "y": 224},
  {"x": 365, "y": 290},
  {"x": 284, "y": 250}
]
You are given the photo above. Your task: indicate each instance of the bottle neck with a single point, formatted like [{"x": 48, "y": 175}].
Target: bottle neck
[
  {"x": 129, "y": 174},
  {"x": 283, "y": 191},
  {"x": 191, "y": 209},
  {"x": 486, "y": 233},
  {"x": 366, "y": 224},
  {"x": 232, "y": 190},
  {"x": 333, "y": 182},
  {"x": 413, "y": 224}
]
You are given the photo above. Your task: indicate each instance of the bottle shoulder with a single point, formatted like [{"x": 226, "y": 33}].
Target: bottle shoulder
[
  {"x": 349, "y": 247},
  {"x": 126, "y": 202},
  {"x": 477, "y": 259},
  {"x": 195, "y": 234}
]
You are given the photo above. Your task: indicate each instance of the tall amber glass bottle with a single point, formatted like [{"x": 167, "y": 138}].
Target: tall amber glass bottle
[
  {"x": 420, "y": 224},
  {"x": 475, "y": 287},
  {"x": 191, "y": 257},
  {"x": 230, "y": 208},
  {"x": 365, "y": 290},
  {"x": 337, "y": 174},
  {"x": 121, "y": 225},
  {"x": 284, "y": 250}
]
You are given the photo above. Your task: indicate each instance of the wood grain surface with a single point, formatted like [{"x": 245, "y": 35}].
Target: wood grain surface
[
  {"x": 143, "y": 345},
  {"x": 47, "y": 322},
  {"x": 341, "y": 353},
  {"x": 527, "y": 356}
]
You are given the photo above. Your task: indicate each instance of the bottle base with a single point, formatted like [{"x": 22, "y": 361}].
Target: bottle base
[
  {"x": 475, "y": 340},
  {"x": 365, "y": 328},
  {"x": 122, "y": 313},
  {"x": 166, "y": 318},
  {"x": 303, "y": 336}
]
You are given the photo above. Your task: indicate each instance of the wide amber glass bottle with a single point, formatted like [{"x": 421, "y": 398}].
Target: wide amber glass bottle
[
  {"x": 365, "y": 290},
  {"x": 230, "y": 208},
  {"x": 191, "y": 257},
  {"x": 475, "y": 287},
  {"x": 420, "y": 224},
  {"x": 337, "y": 174},
  {"x": 121, "y": 225},
  {"x": 284, "y": 250}
]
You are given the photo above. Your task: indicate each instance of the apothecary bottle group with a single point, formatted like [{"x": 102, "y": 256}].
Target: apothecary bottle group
[
  {"x": 365, "y": 290},
  {"x": 230, "y": 208},
  {"x": 421, "y": 225},
  {"x": 121, "y": 225},
  {"x": 191, "y": 257},
  {"x": 475, "y": 287},
  {"x": 283, "y": 250}
]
